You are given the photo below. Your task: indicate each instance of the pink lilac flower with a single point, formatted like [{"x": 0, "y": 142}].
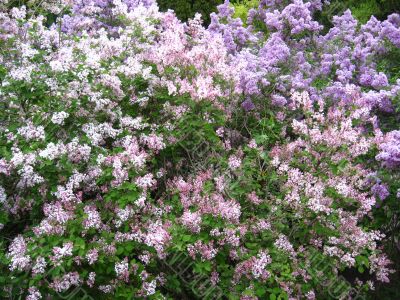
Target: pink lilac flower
[
  {"x": 17, "y": 253},
  {"x": 214, "y": 278},
  {"x": 119, "y": 172},
  {"x": 91, "y": 279},
  {"x": 3, "y": 196},
  {"x": 93, "y": 219},
  {"x": 29, "y": 177},
  {"x": 34, "y": 294},
  {"x": 379, "y": 264},
  {"x": 146, "y": 181},
  {"x": 252, "y": 144},
  {"x": 259, "y": 264},
  {"x": 59, "y": 117},
  {"x": 234, "y": 162},
  {"x": 310, "y": 295},
  {"x": 220, "y": 183},
  {"x": 230, "y": 236},
  {"x": 157, "y": 237},
  {"x": 153, "y": 142},
  {"x": 227, "y": 209},
  {"x": 122, "y": 270},
  {"x": 92, "y": 256},
  {"x": 261, "y": 225},
  {"x": 149, "y": 288},
  {"x": 253, "y": 198},
  {"x": 53, "y": 151},
  {"x": 66, "y": 281},
  {"x": 18, "y": 12},
  {"x": 61, "y": 252},
  {"x": 254, "y": 267},
  {"x": 123, "y": 215},
  {"x": 32, "y": 132},
  {"x": 206, "y": 251},
  {"x": 145, "y": 258},
  {"x": 39, "y": 266},
  {"x": 220, "y": 132},
  {"x": 283, "y": 243},
  {"x": 192, "y": 221},
  {"x": 56, "y": 212},
  {"x": 107, "y": 289}
]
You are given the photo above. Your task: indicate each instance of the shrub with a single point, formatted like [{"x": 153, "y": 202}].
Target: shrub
[{"x": 135, "y": 146}]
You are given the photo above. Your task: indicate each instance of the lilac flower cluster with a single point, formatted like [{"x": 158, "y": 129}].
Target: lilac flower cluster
[
  {"x": 293, "y": 54},
  {"x": 389, "y": 153}
]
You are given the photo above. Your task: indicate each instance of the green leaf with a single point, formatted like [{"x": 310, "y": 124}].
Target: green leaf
[
  {"x": 186, "y": 238},
  {"x": 261, "y": 291}
]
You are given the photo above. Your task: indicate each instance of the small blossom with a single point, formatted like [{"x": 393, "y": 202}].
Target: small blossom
[
  {"x": 59, "y": 118},
  {"x": 34, "y": 294},
  {"x": 234, "y": 162}
]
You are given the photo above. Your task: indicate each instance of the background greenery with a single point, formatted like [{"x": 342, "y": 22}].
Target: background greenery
[
  {"x": 186, "y": 9},
  {"x": 361, "y": 9}
]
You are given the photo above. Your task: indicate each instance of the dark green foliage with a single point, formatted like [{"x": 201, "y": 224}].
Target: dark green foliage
[
  {"x": 186, "y": 9},
  {"x": 379, "y": 8},
  {"x": 362, "y": 10}
]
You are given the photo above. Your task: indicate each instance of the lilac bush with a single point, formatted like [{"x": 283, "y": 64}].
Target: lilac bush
[
  {"x": 291, "y": 53},
  {"x": 129, "y": 137}
]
